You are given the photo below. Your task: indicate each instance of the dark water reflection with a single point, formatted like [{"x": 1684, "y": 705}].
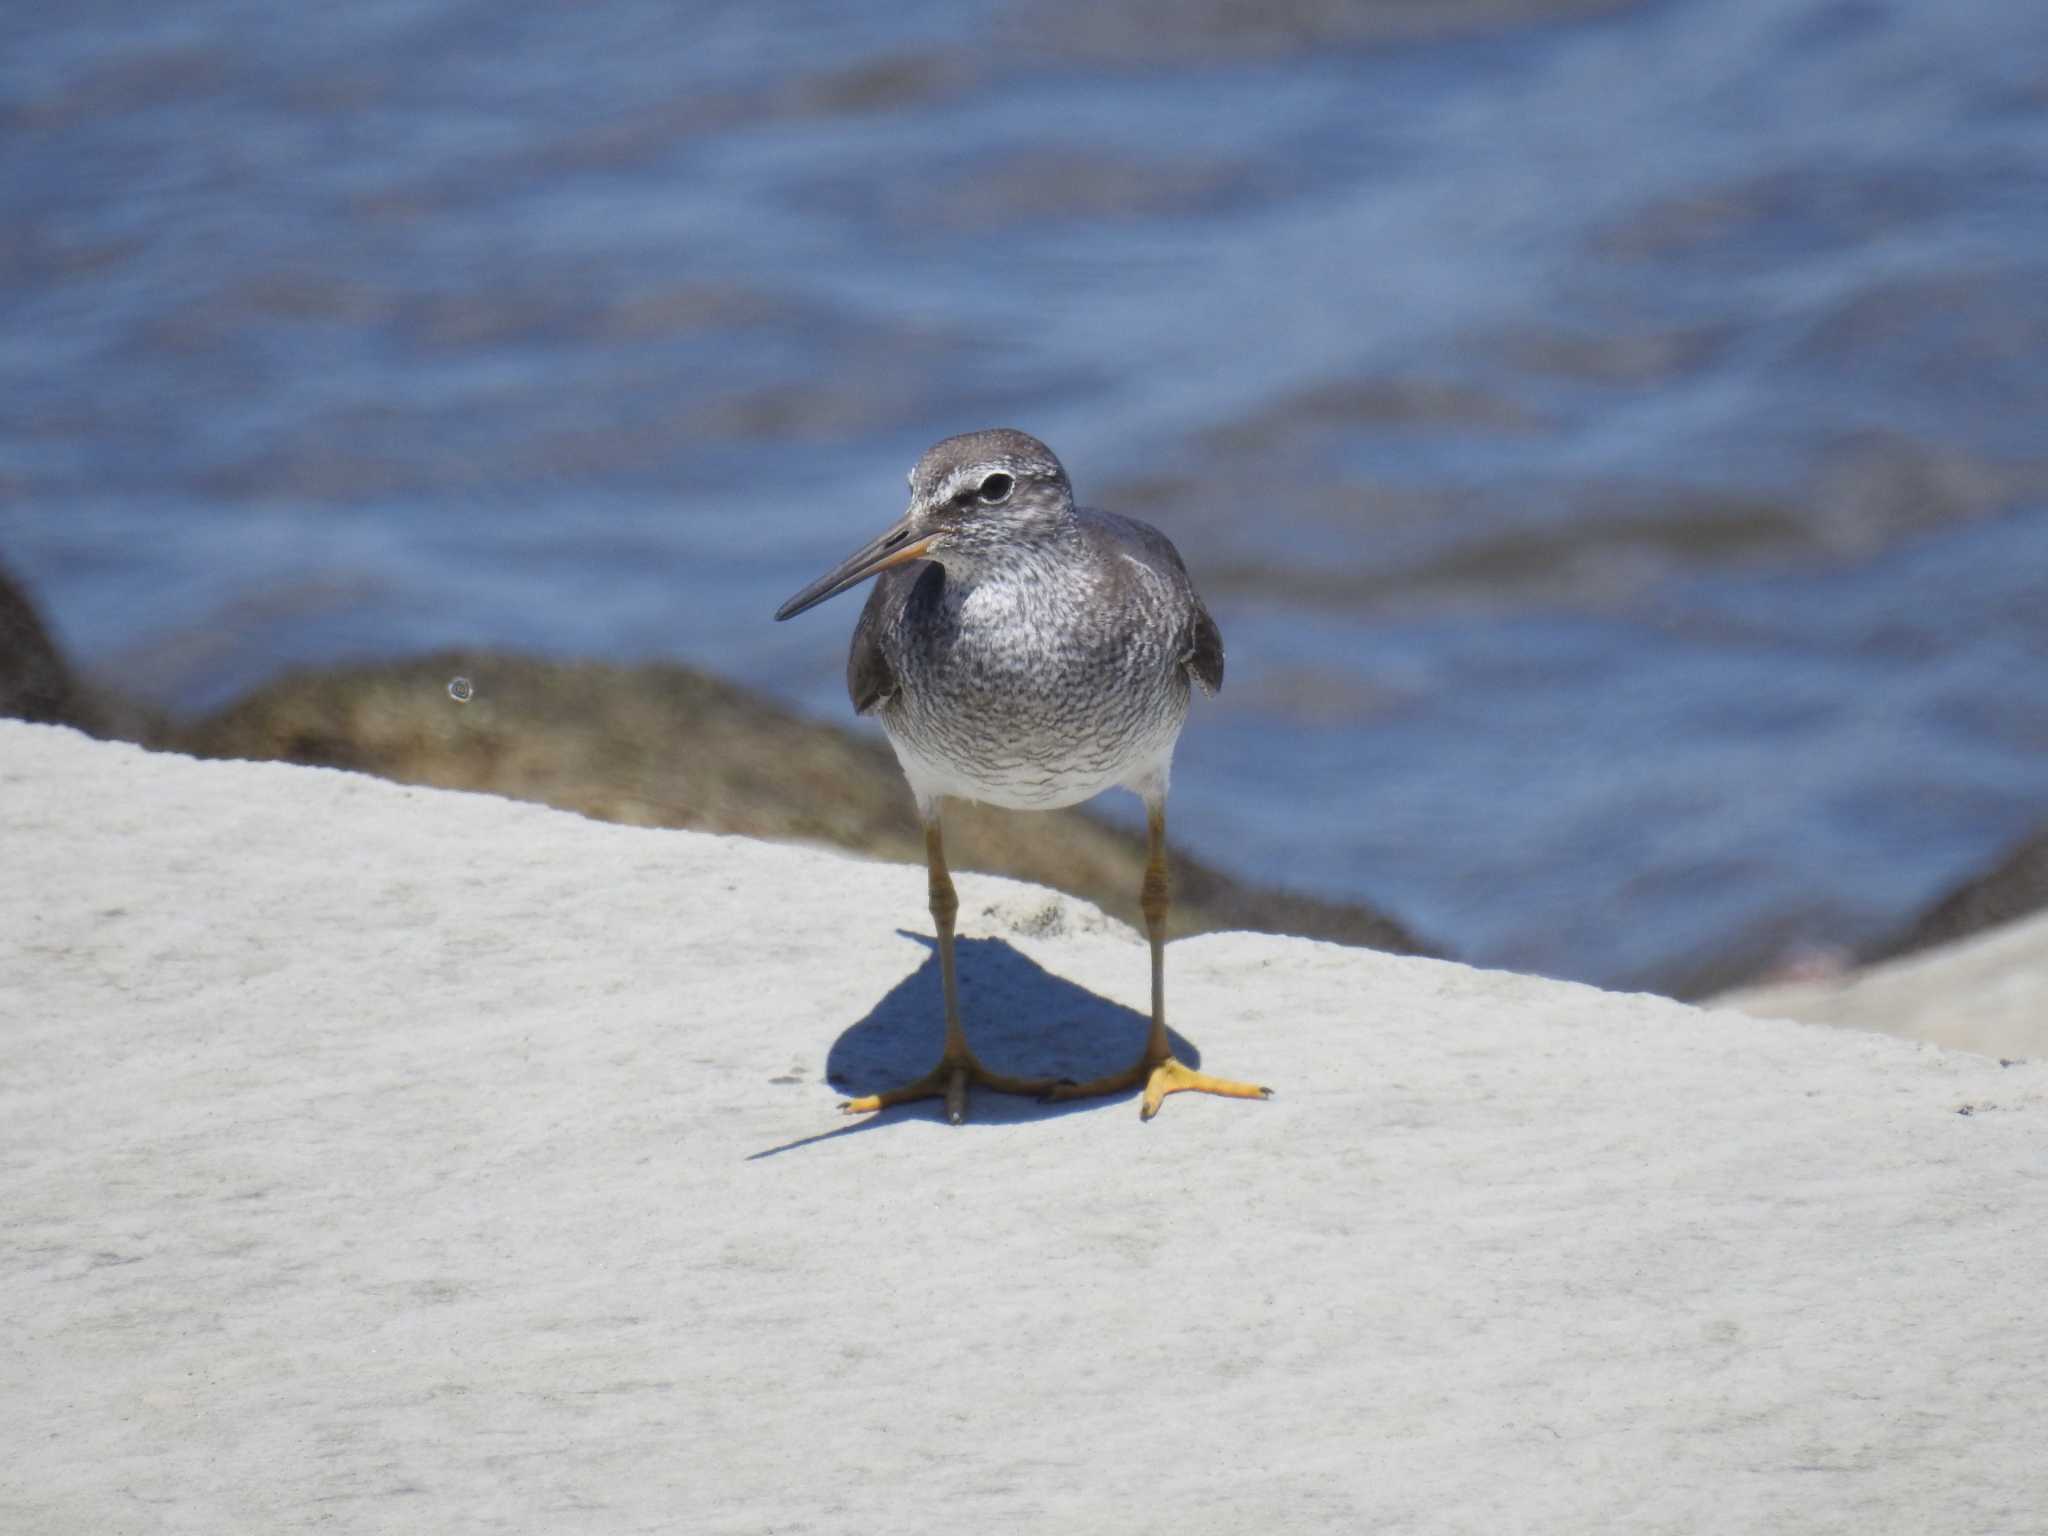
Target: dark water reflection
[{"x": 1612, "y": 436}]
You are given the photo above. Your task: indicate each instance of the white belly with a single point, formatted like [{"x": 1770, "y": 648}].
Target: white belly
[{"x": 1027, "y": 780}]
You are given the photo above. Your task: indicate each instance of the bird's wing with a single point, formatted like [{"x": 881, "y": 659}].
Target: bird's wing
[
  {"x": 870, "y": 675},
  {"x": 1202, "y": 642},
  {"x": 1206, "y": 659}
]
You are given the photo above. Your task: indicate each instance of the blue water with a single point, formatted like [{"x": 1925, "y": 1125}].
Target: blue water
[{"x": 1614, "y": 444}]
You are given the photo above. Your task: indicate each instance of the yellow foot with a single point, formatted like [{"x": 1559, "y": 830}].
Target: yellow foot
[
  {"x": 948, "y": 1081},
  {"x": 1160, "y": 1078}
]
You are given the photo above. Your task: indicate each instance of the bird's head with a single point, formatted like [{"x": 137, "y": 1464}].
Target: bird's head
[{"x": 970, "y": 497}]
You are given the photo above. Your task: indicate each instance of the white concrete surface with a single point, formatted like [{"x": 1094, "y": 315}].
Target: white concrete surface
[{"x": 381, "y": 1159}]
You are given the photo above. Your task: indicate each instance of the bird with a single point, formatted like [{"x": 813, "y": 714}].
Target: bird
[{"x": 1023, "y": 651}]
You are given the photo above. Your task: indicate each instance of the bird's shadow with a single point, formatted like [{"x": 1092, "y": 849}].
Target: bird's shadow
[{"x": 1020, "y": 1019}]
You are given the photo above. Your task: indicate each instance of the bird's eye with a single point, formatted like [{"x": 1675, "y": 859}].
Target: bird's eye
[{"x": 995, "y": 490}]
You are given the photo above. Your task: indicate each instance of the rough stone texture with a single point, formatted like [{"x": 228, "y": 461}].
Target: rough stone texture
[{"x": 374, "y": 1158}]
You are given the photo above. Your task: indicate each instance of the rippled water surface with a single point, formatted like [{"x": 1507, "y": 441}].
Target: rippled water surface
[{"x": 1614, "y": 438}]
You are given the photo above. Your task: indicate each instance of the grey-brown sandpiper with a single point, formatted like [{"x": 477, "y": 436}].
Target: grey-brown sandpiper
[{"x": 1029, "y": 653}]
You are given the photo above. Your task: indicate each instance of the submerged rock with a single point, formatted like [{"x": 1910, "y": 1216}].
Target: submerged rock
[
  {"x": 2015, "y": 887},
  {"x": 35, "y": 683},
  {"x": 38, "y": 684}
]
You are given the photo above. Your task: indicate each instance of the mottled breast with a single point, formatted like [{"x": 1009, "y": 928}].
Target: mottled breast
[{"x": 1059, "y": 674}]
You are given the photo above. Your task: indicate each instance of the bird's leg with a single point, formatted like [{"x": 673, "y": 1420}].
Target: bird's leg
[
  {"x": 1156, "y": 1067},
  {"x": 958, "y": 1066}
]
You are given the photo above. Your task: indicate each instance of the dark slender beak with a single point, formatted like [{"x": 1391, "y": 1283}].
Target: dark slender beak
[{"x": 892, "y": 548}]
